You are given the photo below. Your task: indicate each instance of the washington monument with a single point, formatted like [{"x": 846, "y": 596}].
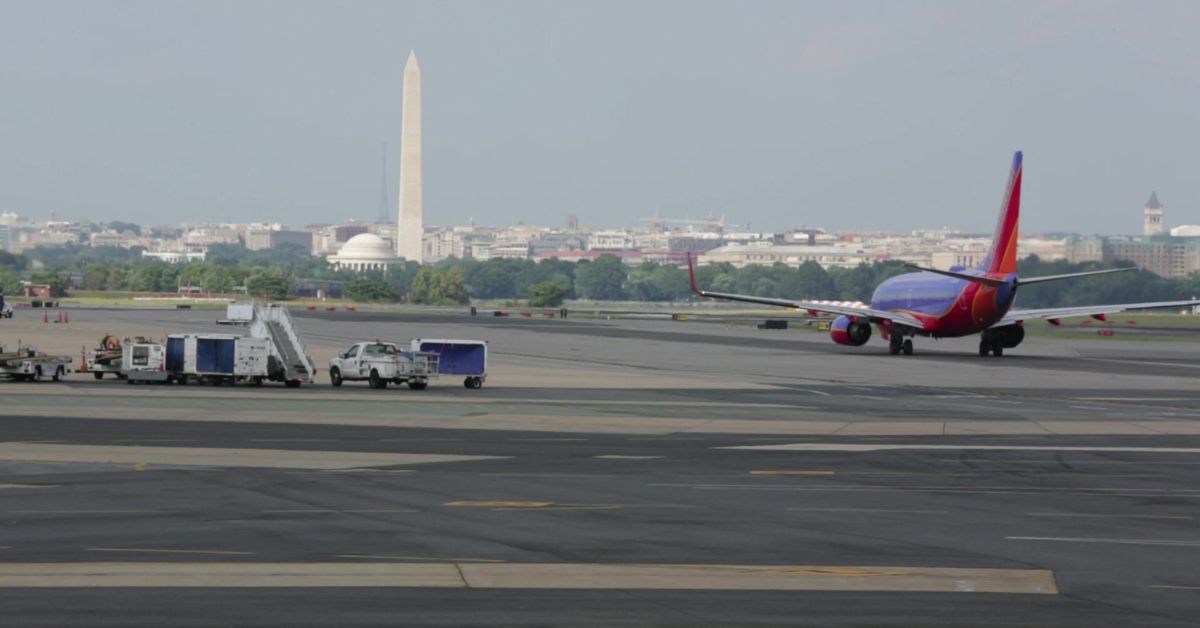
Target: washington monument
[{"x": 409, "y": 230}]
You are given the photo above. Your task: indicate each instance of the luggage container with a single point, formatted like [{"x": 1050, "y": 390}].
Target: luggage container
[
  {"x": 217, "y": 358},
  {"x": 457, "y": 357}
]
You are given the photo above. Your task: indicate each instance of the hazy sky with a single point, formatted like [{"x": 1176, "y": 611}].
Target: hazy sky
[{"x": 847, "y": 115}]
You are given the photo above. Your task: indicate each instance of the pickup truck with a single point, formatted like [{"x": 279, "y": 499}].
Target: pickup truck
[{"x": 383, "y": 363}]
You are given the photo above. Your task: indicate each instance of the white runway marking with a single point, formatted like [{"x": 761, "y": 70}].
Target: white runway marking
[
  {"x": 865, "y": 447},
  {"x": 475, "y": 575},
  {"x": 1104, "y": 516},
  {"x": 138, "y": 550},
  {"x": 1064, "y": 539},
  {"x": 216, "y": 457},
  {"x": 816, "y": 392}
]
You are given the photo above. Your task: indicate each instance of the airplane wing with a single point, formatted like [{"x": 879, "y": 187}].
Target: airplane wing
[
  {"x": 898, "y": 318},
  {"x": 1054, "y": 313}
]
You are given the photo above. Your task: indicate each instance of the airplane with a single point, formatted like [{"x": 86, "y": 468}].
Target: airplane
[{"x": 951, "y": 303}]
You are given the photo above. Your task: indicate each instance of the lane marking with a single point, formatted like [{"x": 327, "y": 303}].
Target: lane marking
[
  {"x": 218, "y": 457},
  {"x": 497, "y": 503},
  {"x": 477, "y": 575},
  {"x": 425, "y": 558},
  {"x": 622, "y": 457},
  {"x": 1066, "y": 539},
  {"x": 817, "y": 392},
  {"x": 321, "y": 511},
  {"x": 1174, "y": 586},
  {"x": 94, "y": 512},
  {"x": 140, "y": 550},
  {"x": 865, "y": 447},
  {"x": 1104, "y": 515},
  {"x": 27, "y": 486},
  {"x": 772, "y": 472},
  {"x": 899, "y": 510}
]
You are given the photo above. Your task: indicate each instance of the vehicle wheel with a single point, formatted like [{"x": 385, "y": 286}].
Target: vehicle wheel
[
  {"x": 416, "y": 385},
  {"x": 257, "y": 382},
  {"x": 473, "y": 382},
  {"x": 292, "y": 383},
  {"x": 129, "y": 381},
  {"x": 908, "y": 346},
  {"x": 335, "y": 377},
  {"x": 98, "y": 375},
  {"x": 377, "y": 381},
  {"x": 59, "y": 373},
  {"x": 37, "y": 375}
]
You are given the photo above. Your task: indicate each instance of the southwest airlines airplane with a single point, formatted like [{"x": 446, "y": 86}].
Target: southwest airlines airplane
[{"x": 952, "y": 303}]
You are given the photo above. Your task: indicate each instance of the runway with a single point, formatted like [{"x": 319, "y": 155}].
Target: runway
[{"x": 615, "y": 480}]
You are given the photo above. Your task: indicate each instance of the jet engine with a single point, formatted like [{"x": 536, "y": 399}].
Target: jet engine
[
  {"x": 1009, "y": 335},
  {"x": 850, "y": 332}
]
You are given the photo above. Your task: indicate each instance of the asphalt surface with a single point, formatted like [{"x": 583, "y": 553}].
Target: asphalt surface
[{"x": 1113, "y": 517}]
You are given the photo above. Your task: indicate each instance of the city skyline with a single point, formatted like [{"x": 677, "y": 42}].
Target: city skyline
[{"x": 798, "y": 114}]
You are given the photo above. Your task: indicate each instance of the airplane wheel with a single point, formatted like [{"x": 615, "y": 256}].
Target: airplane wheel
[
  {"x": 894, "y": 345},
  {"x": 908, "y": 346},
  {"x": 985, "y": 348},
  {"x": 997, "y": 349}
]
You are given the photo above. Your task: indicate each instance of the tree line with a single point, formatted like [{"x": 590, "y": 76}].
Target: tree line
[{"x": 545, "y": 283}]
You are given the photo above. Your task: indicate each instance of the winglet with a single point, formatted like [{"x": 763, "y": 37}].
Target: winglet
[{"x": 691, "y": 262}]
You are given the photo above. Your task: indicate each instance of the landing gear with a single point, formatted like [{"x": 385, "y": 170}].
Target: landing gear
[
  {"x": 898, "y": 344},
  {"x": 990, "y": 343}
]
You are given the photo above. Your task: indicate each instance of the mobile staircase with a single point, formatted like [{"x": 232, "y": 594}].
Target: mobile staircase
[{"x": 289, "y": 361}]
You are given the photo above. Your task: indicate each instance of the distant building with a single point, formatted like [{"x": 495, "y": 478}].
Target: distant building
[
  {"x": 260, "y": 239},
  {"x": 1163, "y": 255},
  {"x": 6, "y": 238},
  {"x": 176, "y": 257},
  {"x": 1152, "y": 216},
  {"x": 742, "y": 255},
  {"x": 365, "y": 252}
]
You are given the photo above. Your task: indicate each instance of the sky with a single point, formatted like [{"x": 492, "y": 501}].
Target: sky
[{"x": 844, "y": 115}]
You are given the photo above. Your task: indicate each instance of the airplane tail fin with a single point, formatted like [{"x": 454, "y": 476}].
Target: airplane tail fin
[{"x": 1002, "y": 258}]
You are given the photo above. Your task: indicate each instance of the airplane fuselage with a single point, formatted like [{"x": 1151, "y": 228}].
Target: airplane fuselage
[{"x": 947, "y": 307}]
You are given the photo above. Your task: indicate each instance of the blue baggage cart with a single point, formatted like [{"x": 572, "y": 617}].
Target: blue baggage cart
[{"x": 467, "y": 358}]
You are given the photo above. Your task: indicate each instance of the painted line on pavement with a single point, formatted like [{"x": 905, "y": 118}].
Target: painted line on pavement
[
  {"x": 217, "y": 457},
  {"x": 895, "y": 510},
  {"x": 141, "y": 550},
  {"x": 1175, "y": 586},
  {"x": 1104, "y": 515},
  {"x": 422, "y": 558},
  {"x": 530, "y": 576},
  {"x": 1067, "y": 539},
  {"x": 867, "y": 447}
]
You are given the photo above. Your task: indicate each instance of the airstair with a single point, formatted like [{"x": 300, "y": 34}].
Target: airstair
[{"x": 291, "y": 363}]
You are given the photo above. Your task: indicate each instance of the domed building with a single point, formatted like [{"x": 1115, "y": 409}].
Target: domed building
[{"x": 363, "y": 252}]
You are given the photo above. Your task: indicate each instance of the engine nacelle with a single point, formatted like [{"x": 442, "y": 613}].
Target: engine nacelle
[
  {"x": 848, "y": 332},
  {"x": 1009, "y": 335}
]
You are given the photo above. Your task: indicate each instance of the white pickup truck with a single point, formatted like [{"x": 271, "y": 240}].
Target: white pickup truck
[{"x": 383, "y": 363}]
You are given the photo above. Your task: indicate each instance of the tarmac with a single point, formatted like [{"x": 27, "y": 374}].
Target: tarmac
[{"x": 609, "y": 472}]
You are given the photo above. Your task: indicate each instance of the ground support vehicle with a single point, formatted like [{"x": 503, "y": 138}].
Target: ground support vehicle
[
  {"x": 383, "y": 363},
  {"x": 6, "y": 309},
  {"x": 105, "y": 358},
  {"x": 29, "y": 365},
  {"x": 217, "y": 359},
  {"x": 467, "y": 358},
  {"x": 144, "y": 361},
  {"x": 288, "y": 360}
]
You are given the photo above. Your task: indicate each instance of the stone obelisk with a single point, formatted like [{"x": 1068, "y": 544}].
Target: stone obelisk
[{"x": 409, "y": 230}]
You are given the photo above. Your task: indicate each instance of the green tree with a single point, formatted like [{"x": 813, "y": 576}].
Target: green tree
[
  {"x": 602, "y": 279},
  {"x": 364, "y": 289},
  {"x": 10, "y": 281},
  {"x": 95, "y": 277},
  {"x": 269, "y": 282},
  {"x": 491, "y": 281},
  {"x": 546, "y": 294},
  {"x": 434, "y": 286}
]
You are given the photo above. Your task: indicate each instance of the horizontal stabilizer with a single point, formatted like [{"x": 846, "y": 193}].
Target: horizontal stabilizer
[
  {"x": 983, "y": 279},
  {"x": 1025, "y": 281}
]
